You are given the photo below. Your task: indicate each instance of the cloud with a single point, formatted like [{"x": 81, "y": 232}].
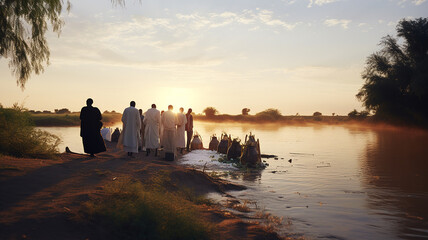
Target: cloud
[
  {"x": 414, "y": 2},
  {"x": 418, "y": 2},
  {"x": 245, "y": 17},
  {"x": 320, "y": 2},
  {"x": 333, "y": 22}
]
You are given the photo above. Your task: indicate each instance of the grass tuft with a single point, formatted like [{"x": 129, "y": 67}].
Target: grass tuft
[{"x": 133, "y": 210}]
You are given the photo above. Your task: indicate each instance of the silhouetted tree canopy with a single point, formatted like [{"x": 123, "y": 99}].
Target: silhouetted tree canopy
[
  {"x": 358, "y": 115},
  {"x": 317, "y": 114},
  {"x": 210, "y": 111},
  {"x": 23, "y": 25},
  {"x": 245, "y": 111},
  {"x": 62, "y": 111},
  {"x": 396, "y": 77}
]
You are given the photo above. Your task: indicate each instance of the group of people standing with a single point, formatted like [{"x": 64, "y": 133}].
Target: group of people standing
[{"x": 151, "y": 130}]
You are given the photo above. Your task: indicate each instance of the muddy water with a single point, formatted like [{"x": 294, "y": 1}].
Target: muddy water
[{"x": 341, "y": 183}]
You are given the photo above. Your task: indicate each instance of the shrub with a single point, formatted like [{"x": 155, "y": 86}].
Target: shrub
[
  {"x": 19, "y": 138},
  {"x": 358, "y": 115},
  {"x": 62, "y": 111},
  {"x": 269, "y": 114},
  {"x": 210, "y": 111},
  {"x": 245, "y": 111}
]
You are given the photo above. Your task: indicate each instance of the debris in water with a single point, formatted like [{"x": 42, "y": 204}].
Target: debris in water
[
  {"x": 309, "y": 154},
  {"x": 324, "y": 165},
  {"x": 267, "y": 156}
]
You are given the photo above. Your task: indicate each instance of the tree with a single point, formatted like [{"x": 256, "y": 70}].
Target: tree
[
  {"x": 269, "y": 114},
  {"x": 396, "y": 77},
  {"x": 317, "y": 114},
  {"x": 245, "y": 111},
  {"x": 62, "y": 111},
  {"x": 23, "y": 26},
  {"x": 210, "y": 111},
  {"x": 358, "y": 115}
]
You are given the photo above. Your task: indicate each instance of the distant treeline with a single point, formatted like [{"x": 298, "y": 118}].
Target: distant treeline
[
  {"x": 273, "y": 115},
  {"x": 68, "y": 119}
]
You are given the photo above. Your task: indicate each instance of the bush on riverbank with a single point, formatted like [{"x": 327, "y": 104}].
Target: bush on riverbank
[
  {"x": 132, "y": 210},
  {"x": 19, "y": 138}
]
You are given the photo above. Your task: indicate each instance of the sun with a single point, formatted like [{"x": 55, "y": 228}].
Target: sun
[{"x": 177, "y": 97}]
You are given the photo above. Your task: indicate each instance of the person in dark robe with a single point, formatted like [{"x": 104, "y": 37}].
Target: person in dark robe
[
  {"x": 90, "y": 126},
  {"x": 189, "y": 128}
]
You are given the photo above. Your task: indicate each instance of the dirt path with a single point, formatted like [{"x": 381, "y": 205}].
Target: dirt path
[{"x": 40, "y": 198}]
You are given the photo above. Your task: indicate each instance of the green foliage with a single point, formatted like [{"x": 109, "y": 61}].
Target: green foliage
[
  {"x": 23, "y": 26},
  {"x": 210, "y": 111},
  {"x": 19, "y": 138},
  {"x": 132, "y": 210},
  {"x": 396, "y": 77}
]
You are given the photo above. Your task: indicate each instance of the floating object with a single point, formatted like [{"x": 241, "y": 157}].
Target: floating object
[
  {"x": 213, "y": 143},
  {"x": 106, "y": 134},
  {"x": 268, "y": 156},
  {"x": 234, "y": 150},
  {"x": 115, "y": 135},
  {"x": 251, "y": 152},
  {"x": 224, "y": 143},
  {"x": 196, "y": 142}
]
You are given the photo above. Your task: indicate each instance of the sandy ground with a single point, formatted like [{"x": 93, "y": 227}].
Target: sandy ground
[{"x": 40, "y": 198}]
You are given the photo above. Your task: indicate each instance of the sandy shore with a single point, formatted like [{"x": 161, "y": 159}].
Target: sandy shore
[{"x": 41, "y": 198}]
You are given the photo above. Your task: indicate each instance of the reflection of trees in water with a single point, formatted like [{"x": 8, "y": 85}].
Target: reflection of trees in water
[{"x": 395, "y": 167}]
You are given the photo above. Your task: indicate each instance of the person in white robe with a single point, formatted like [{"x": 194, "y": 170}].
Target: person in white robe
[
  {"x": 169, "y": 121},
  {"x": 181, "y": 128},
  {"x": 131, "y": 127},
  {"x": 141, "y": 145},
  {"x": 151, "y": 121}
]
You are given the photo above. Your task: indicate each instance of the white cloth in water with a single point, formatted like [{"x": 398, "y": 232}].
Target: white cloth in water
[
  {"x": 181, "y": 125},
  {"x": 106, "y": 133},
  {"x": 151, "y": 135},
  {"x": 131, "y": 129}
]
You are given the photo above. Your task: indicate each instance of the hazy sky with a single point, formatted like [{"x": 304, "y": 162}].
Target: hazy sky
[{"x": 299, "y": 56}]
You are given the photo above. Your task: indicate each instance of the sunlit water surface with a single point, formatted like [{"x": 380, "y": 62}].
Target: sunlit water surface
[{"x": 342, "y": 182}]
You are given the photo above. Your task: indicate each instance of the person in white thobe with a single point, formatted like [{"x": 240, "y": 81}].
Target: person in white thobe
[
  {"x": 181, "y": 128},
  {"x": 131, "y": 129},
  {"x": 169, "y": 121},
  {"x": 151, "y": 135}
]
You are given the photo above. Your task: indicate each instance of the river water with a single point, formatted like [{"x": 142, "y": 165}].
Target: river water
[{"x": 343, "y": 182}]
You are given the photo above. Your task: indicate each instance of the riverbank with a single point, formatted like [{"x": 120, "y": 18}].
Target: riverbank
[
  {"x": 52, "y": 198},
  {"x": 69, "y": 120},
  {"x": 277, "y": 119},
  {"x": 72, "y": 119}
]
